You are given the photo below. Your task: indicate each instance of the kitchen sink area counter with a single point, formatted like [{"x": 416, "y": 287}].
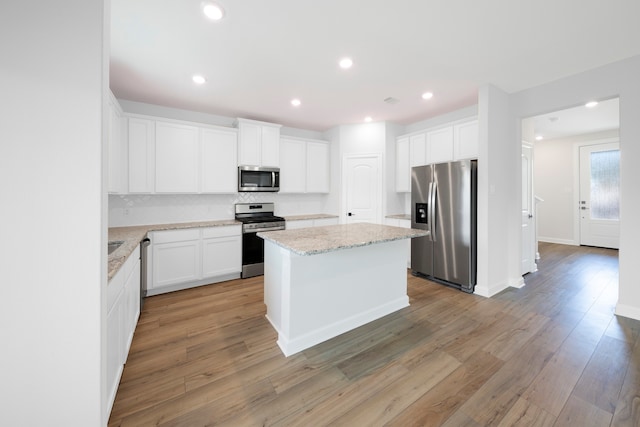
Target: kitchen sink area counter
[
  {"x": 308, "y": 216},
  {"x": 131, "y": 237},
  {"x": 321, "y": 282},
  {"x": 400, "y": 216}
]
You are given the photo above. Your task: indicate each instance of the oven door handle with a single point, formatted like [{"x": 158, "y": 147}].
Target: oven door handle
[{"x": 257, "y": 230}]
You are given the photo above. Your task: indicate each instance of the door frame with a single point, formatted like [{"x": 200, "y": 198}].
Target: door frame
[
  {"x": 576, "y": 181},
  {"x": 380, "y": 178}
]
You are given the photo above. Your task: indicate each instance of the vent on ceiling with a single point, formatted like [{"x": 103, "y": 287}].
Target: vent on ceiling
[{"x": 391, "y": 100}]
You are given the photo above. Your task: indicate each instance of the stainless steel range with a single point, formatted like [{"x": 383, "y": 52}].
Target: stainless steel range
[{"x": 255, "y": 217}]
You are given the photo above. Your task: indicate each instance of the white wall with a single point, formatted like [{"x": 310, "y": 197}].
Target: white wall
[
  {"x": 617, "y": 79},
  {"x": 555, "y": 170},
  {"x": 52, "y": 218},
  {"x": 499, "y": 201}
]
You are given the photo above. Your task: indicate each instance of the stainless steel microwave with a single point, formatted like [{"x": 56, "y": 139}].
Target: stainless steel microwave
[{"x": 258, "y": 178}]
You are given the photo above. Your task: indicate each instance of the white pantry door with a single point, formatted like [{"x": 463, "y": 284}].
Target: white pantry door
[
  {"x": 362, "y": 193},
  {"x": 528, "y": 261},
  {"x": 600, "y": 195}
]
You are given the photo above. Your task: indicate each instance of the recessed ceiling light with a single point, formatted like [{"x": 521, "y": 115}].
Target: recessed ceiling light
[
  {"x": 213, "y": 11},
  {"x": 295, "y": 102},
  {"x": 539, "y": 138},
  {"x": 591, "y": 104},
  {"x": 197, "y": 79},
  {"x": 368, "y": 119},
  {"x": 427, "y": 95},
  {"x": 346, "y": 63}
]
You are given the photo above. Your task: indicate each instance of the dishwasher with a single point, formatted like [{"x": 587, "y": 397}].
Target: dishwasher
[{"x": 144, "y": 246}]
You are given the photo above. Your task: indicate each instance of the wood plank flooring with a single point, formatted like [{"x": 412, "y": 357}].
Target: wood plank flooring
[{"x": 549, "y": 354}]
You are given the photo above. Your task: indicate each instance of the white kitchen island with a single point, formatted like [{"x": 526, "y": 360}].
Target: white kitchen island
[{"x": 321, "y": 282}]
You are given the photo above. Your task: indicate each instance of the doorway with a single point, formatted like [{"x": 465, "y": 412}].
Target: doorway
[{"x": 556, "y": 138}]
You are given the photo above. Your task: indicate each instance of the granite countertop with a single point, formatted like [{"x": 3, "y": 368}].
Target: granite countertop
[
  {"x": 308, "y": 216},
  {"x": 400, "y": 216},
  {"x": 317, "y": 240},
  {"x": 131, "y": 236}
]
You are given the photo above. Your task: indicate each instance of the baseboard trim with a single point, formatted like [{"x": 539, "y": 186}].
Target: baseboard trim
[
  {"x": 557, "y": 241},
  {"x": 628, "y": 311}
]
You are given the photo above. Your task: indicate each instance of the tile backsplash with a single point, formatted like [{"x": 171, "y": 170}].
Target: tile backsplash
[{"x": 140, "y": 209}]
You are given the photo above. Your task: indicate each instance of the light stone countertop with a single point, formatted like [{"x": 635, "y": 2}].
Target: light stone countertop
[
  {"x": 131, "y": 236},
  {"x": 308, "y": 216},
  {"x": 400, "y": 216},
  {"x": 317, "y": 240}
]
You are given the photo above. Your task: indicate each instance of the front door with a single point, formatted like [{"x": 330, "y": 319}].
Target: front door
[
  {"x": 599, "y": 203},
  {"x": 363, "y": 188}
]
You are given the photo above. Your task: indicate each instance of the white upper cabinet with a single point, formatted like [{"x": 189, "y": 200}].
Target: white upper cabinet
[
  {"x": 465, "y": 140},
  {"x": 417, "y": 150},
  {"x": 293, "y": 160},
  {"x": 318, "y": 169},
  {"x": 177, "y": 155},
  {"x": 117, "y": 146},
  {"x": 258, "y": 143},
  {"x": 304, "y": 166},
  {"x": 219, "y": 157},
  {"x": 456, "y": 141},
  {"x": 403, "y": 168},
  {"x": 440, "y": 145},
  {"x": 141, "y": 155}
]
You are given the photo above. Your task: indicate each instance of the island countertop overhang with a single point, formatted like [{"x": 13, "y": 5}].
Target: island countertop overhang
[{"x": 318, "y": 240}]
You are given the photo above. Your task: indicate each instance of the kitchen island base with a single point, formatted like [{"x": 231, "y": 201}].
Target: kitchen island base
[{"x": 311, "y": 299}]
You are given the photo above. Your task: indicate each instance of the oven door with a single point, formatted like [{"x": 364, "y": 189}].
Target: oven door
[{"x": 252, "y": 255}]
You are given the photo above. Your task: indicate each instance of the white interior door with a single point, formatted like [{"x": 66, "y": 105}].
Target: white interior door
[
  {"x": 362, "y": 193},
  {"x": 528, "y": 229},
  {"x": 599, "y": 203}
]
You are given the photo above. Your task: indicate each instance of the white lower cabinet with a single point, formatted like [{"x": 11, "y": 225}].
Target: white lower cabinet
[
  {"x": 123, "y": 310},
  {"x": 221, "y": 251},
  {"x": 176, "y": 257},
  {"x": 190, "y": 257},
  {"x": 313, "y": 222}
]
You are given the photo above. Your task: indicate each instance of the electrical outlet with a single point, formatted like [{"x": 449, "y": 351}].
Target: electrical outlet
[{"x": 125, "y": 211}]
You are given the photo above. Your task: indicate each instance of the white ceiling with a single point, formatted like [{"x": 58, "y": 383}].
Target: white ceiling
[
  {"x": 578, "y": 120},
  {"x": 264, "y": 53}
]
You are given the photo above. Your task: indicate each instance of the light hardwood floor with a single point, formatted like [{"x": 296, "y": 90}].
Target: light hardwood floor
[{"x": 551, "y": 353}]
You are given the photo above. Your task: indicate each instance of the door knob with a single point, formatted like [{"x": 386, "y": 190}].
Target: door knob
[{"x": 350, "y": 214}]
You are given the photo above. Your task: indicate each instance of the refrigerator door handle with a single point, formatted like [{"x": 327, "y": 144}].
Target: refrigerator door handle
[
  {"x": 429, "y": 209},
  {"x": 432, "y": 210}
]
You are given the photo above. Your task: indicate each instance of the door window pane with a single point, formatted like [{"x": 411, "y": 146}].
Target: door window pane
[{"x": 605, "y": 184}]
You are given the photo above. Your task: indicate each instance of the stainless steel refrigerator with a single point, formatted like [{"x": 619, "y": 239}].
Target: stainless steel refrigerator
[{"x": 444, "y": 202}]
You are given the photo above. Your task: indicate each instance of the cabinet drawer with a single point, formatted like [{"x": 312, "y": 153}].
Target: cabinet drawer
[
  {"x": 170, "y": 236},
  {"x": 212, "y": 232}
]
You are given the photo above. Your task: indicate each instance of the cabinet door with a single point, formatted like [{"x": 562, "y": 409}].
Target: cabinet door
[
  {"x": 222, "y": 255},
  {"x": 440, "y": 145},
  {"x": 465, "y": 140},
  {"x": 417, "y": 150},
  {"x": 132, "y": 305},
  {"x": 250, "y": 136},
  {"x": 318, "y": 168},
  {"x": 303, "y": 223},
  {"x": 177, "y": 157},
  {"x": 403, "y": 166},
  {"x": 270, "y": 149},
  {"x": 115, "y": 357},
  {"x": 117, "y": 146},
  {"x": 292, "y": 166},
  {"x": 176, "y": 262},
  {"x": 141, "y": 155},
  {"x": 325, "y": 221},
  {"x": 219, "y": 161}
]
